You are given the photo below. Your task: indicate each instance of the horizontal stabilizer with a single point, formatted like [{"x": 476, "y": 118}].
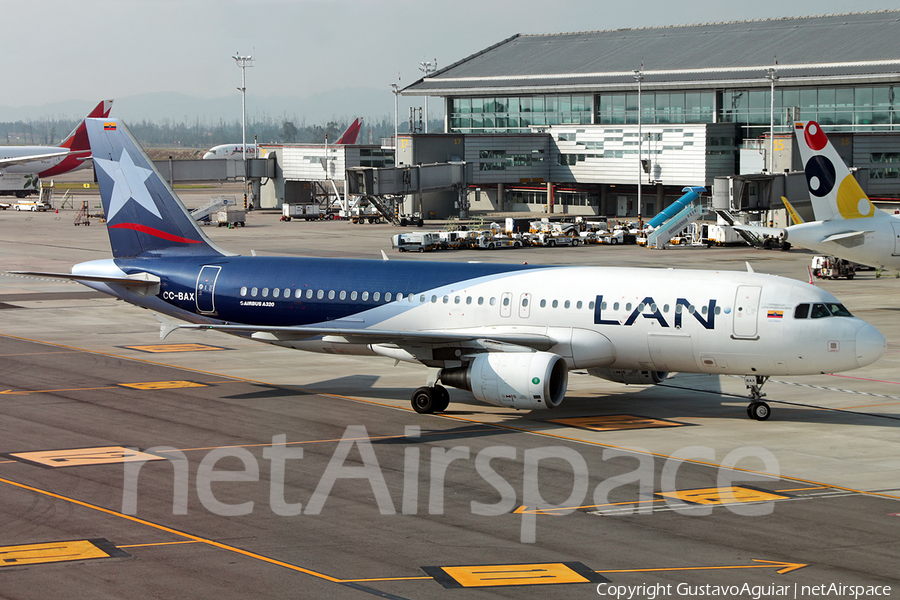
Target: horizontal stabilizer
[
  {"x": 848, "y": 238},
  {"x": 139, "y": 281}
]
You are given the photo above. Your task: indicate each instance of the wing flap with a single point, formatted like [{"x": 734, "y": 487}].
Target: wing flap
[{"x": 374, "y": 336}]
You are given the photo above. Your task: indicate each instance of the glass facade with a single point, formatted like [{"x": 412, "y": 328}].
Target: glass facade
[
  {"x": 656, "y": 107},
  {"x": 515, "y": 114},
  {"x": 845, "y": 108},
  {"x": 838, "y": 108}
]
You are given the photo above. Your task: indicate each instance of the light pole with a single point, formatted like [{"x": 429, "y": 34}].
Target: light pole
[
  {"x": 396, "y": 89},
  {"x": 243, "y": 62},
  {"x": 427, "y": 67},
  {"x": 771, "y": 76},
  {"x": 639, "y": 77}
]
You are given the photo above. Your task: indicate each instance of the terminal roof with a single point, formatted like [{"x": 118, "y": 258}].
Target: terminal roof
[{"x": 825, "y": 48}]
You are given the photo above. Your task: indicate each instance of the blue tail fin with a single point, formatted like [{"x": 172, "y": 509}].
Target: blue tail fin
[{"x": 143, "y": 214}]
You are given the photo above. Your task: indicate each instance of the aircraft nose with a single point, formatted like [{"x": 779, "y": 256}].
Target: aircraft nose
[
  {"x": 209, "y": 155},
  {"x": 870, "y": 345}
]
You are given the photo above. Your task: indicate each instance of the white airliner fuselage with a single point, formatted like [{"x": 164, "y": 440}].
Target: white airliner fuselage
[
  {"x": 508, "y": 333},
  {"x": 873, "y": 241}
]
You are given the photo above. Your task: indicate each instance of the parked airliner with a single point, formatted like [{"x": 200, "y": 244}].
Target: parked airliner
[
  {"x": 236, "y": 151},
  {"x": 510, "y": 334},
  {"x": 47, "y": 161},
  {"x": 847, "y": 224}
]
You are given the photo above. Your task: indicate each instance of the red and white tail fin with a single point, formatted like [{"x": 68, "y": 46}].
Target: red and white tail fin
[
  {"x": 78, "y": 139},
  {"x": 349, "y": 136}
]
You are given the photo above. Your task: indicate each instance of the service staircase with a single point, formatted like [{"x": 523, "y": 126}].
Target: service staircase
[
  {"x": 203, "y": 213},
  {"x": 385, "y": 207},
  {"x": 660, "y": 236},
  {"x": 676, "y": 217},
  {"x": 751, "y": 238}
]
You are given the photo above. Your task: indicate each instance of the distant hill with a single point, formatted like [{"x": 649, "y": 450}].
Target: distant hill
[{"x": 344, "y": 105}]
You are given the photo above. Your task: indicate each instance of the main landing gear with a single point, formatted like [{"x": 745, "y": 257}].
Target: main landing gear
[
  {"x": 757, "y": 409},
  {"x": 427, "y": 400}
]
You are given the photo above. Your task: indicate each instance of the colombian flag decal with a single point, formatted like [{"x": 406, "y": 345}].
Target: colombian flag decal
[
  {"x": 775, "y": 314},
  {"x": 109, "y": 127}
]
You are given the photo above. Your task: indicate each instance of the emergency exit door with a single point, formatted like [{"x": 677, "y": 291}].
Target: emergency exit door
[{"x": 206, "y": 287}]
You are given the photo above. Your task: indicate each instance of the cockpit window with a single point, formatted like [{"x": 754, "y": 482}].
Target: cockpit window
[
  {"x": 819, "y": 311},
  {"x": 802, "y": 311},
  {"x": 839, "y": 310}
]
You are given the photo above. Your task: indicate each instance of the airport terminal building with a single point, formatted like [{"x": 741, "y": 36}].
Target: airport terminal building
[{"x": 575, "y": 120}]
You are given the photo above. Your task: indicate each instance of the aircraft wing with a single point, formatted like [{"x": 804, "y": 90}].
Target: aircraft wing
[
  {"x": 399, "y": 336},
  {"x": 21, "y": 160}
]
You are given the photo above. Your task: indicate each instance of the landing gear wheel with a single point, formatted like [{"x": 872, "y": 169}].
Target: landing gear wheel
[
  {"x": 442, "y": 398},
  {"x": 424, "y": 400},
  {"x": 759, "y": 411}
]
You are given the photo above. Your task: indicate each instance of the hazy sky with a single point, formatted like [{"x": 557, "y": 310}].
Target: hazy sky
[{"x": 91, "y": 49}]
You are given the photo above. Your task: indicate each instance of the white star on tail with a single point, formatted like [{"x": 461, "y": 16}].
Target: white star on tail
[{"x": 128, "y": 184}]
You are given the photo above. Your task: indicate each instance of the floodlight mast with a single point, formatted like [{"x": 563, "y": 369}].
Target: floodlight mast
[
  {"x": 396, "y": 89},
  {"x": 243, "y": 62},
  {"x": 428, "y": 67},
  {"x": 639, "y": 77},
  {"x": 772, "y": 77}
]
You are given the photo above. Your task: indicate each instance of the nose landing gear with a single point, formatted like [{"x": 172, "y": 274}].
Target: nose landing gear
[{"x": 757, "y": 409}]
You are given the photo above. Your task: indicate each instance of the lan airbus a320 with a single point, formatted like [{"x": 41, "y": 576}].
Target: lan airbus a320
[{"x": 510, "y": 334}]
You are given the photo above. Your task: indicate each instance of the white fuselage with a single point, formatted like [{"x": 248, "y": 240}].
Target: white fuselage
[
  {"x": 880, "y": 247},
  {"x": 594, "y": 317},
  {"x": 231, "y": 152},
  {"x": 34, "y": 166}
]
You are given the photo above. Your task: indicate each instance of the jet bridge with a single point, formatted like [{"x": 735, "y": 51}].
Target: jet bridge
[
  {"x": 386, "y": 187},
  {"x": 413, "y": 179}
]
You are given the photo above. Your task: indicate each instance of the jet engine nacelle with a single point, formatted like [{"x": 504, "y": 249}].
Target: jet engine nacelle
[
  {"x": 630, "y": 376},
  {"x": 531, "y": 381}
]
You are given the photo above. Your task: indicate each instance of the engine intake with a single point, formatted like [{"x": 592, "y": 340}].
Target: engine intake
[{"x": 531, "y": 381}]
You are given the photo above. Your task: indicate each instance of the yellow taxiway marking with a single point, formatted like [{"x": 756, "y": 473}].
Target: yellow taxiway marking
[
  {"x": 559, "y": 509},
  {"x": 31, "y": 554},
  {"x": 157, "y": 544},
  {"x": 728, "y": 495},
  {"x": 170, "y": 530},
  {"x": 79, "y": 457},
  {"x": 614, "y": 422},
  {"x": 162, "y": 385},
  {"x": 25, "y": 392},
  {"x": 782, "y": 567},
  {"x": 147, "y": 385},
  {"x": 506, "y": 575},
  {"x": 162, "y": 348}
]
